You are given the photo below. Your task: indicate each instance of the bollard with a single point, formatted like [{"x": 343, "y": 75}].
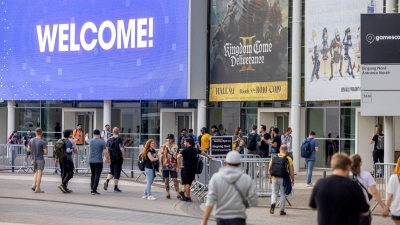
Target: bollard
[{"x": 132, "y": 164}]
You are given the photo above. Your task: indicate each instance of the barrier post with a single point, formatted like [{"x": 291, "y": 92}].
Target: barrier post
[{"x": 132, "y": 163}]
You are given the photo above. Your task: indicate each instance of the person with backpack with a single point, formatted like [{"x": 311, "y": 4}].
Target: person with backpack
[
  {"x": 253, "y": 141},
  {"x": 115, "y": 152},
  {"x": 37, "y": 147},
  {"x": 188, "y": 155},
  {"x": 149, "y": 156},
  {"x": 309, "y": 147},
  {"x": 231, "y": 191},
  {"x": 97, "y": 147},
  {"x": 275, "y": 143},
  {"x": 64, "y": 157},
  {"x": 169, "y": 166},
  {"x": 378, "y": 139},
  {"x": 105, "y": 134},
  {"x": 365, "y": 181},
  {"x": 279, "y": 168},
  {"x": 286, "y": 139}
]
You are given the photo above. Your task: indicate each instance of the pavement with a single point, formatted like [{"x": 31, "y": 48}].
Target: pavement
[{"x": 19, "y": 205}]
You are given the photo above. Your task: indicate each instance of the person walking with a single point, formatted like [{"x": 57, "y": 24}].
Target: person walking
[
  {"x": 365, "y": 181},
  {"x": 338, "y": 199},
  {"x": 253, "y": 141},
  {"x": 378, "y": 141},
  {"x": 66, "y": 164},
  {"x": 115, "y": 155},
  {"x": 37, "y": 147},
  {"x": 277, "y": 181},
  {"x": 13, "y": 152},
  {"x": 97, "y": 148},
  {"x": 231, "y": 191},
  {"x": 188, "y": 155},
  {"x": 310, "y": 160},
  {"x": 238, "y": 141},
  {"x": 393, "y": 195},
  {"x": 105, "y": 134},
  {"x": 169, "y": 166},
  {"x": 150, "y": 156}
]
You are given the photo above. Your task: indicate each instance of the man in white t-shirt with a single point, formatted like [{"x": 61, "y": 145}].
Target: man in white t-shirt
[
  {"x": 286, "y": 139},
  {"x": 105, "y": 134}
]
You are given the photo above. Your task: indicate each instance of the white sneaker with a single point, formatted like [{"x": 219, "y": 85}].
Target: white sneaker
[
  {"x": 151, "y": 198},
  {"x": 310, "y": 185},
  {"x": 144, "y": 196}
]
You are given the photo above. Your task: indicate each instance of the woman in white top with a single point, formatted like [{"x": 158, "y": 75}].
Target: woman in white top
[
  {"x": 365, "y": 181},
  {"x": 393, "y": 195}
]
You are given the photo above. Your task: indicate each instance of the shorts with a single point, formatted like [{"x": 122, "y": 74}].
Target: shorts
[
  {"x": 169, "y": 173},
  {"x": 115, "y": 169},
  {"x": 187, "y": 176},
  {"x": 38, "y": 164},
  {"x": 395, "y": 217}
]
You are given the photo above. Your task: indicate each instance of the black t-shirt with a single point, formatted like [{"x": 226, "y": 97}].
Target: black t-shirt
[
  {"x": 190, "y": 157},
  {"x": 376, "y": 140},
  {"x": 148, "y": 164},
  {"x": 277, "y": 139},
  {"x": 338, "y": 200},
  {"x": 264, "y": 146},
  {"x": 27, "y": 140}
]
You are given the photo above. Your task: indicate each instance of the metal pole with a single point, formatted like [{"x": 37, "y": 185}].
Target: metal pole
[
  {"x": 296, "y": 82},
  {"x": 389, "y": 140},
  {"x": 132, "y": 163},
  {"x": 201, "y": 114}
]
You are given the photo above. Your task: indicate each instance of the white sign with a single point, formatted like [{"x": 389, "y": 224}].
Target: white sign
[
  {"x": 380, "y": 103},
  {"x": 380, "y": 77},
  {"x": 333, "y": 47}
]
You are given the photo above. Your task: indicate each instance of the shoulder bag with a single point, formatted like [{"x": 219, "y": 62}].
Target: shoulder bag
[
  {"x": 244, "y": 200},
  {"x": 362, "y": 186}
]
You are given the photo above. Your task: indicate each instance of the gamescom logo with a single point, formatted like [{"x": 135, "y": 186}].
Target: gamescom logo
[{"x": 371, "y": 38}]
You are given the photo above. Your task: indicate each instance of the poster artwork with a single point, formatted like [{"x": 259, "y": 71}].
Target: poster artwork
[{"x": 248, "y": 50}]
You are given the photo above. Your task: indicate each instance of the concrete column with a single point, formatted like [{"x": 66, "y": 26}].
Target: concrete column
[
  {"x": 10, "y": 117},
  {"x": 201, "y": 114},
  {"x": 389, "y": 139},
  {"x": 296, "y": 83},
  {"x": 107, "y": 113},
  {"x": 390, "y": 6}
]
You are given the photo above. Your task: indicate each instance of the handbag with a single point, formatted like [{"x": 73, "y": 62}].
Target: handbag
[{"x": 245, "y": 202}]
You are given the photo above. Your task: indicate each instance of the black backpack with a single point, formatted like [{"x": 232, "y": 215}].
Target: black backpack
[
  {"x": 279, "y": 166},
  {"x": 113, "y": 149},
  {"x": 200, "y": 164},
  {"x": 141, "y": 162},
  {"x": 252, "y": 142},
  {"x": 306, "y": 148}
]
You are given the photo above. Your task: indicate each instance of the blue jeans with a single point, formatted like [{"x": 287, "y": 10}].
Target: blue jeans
[
  {"x": 310, "y": 167},
  {"x": 149, "y": 177}
]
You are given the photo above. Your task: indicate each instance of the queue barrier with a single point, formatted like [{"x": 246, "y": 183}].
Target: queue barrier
[{"x": 382, "y": 174}]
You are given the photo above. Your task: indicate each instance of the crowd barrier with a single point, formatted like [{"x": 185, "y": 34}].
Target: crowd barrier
[{"x": 382, "y": 173}]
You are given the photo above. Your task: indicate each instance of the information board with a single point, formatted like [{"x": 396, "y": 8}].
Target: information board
[{"x": 221, "y": 145}]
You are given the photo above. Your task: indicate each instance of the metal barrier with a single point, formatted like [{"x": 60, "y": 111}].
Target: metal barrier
[{"x": 382, "y": 173}]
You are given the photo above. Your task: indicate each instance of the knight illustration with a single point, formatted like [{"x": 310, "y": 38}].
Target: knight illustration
[
  {"x": 232, "y": 10},
  {"x": 347, "y": 45},
  {"x": 315, "y": 56},
  {"x": 325, "y": 46},
  {"x": 218, "y": 41},
  {"x": 335, "y": 50}
]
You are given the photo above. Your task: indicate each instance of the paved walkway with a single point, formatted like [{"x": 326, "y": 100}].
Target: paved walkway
[{"x": 19, "y": 205}]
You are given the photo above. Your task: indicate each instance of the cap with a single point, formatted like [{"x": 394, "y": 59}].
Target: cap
[
  {"x": 170, "y": 136},
  {"x": 204, "y": 128},
  {"x": 233, "y": 157},
  {"x": 96, "y": 132}
]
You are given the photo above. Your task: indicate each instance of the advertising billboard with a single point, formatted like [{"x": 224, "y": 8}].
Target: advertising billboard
[
  {"x": 333, "y": 47},
  {"x": 94, "y": 49},
  {"x": 248, "y": 50}
]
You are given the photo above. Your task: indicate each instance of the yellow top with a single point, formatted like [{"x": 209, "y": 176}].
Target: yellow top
[
  {"x": 282, "y": 155},
  {"x": 205, "y": 142}
]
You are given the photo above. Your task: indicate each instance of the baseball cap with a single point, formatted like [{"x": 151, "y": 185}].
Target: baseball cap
[
  {"x": 170, "y": 136},
  {"x": 233, "y": 157},
  {"x": 96, "y": 132},
  {"x": 204, "y": 128}
]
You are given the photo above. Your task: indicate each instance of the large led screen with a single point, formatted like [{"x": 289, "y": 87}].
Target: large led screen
[{"x": 93, "y": 49}]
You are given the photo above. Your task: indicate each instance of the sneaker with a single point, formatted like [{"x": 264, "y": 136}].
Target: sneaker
[
  {"x": 144, "y": 196},
  {"x": 282, "y": 213},
  {"x": 151, "y": 198},
  {"x": 37, "y": 190},
  {"x": 68, "y": 190},
  {"x": 105, "y": 186},
  {"x": 95, "y": 193},
  {"x": 117, "y": 190},
  {"x": 91, "y": 192},
  {"x": 188, "y": 199},
  {"x": 272, "y": 209},
  {"x": 182, "y": 194},
  {"x": 62, "y": 188},
  {"x": 310, "y": 185}
]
